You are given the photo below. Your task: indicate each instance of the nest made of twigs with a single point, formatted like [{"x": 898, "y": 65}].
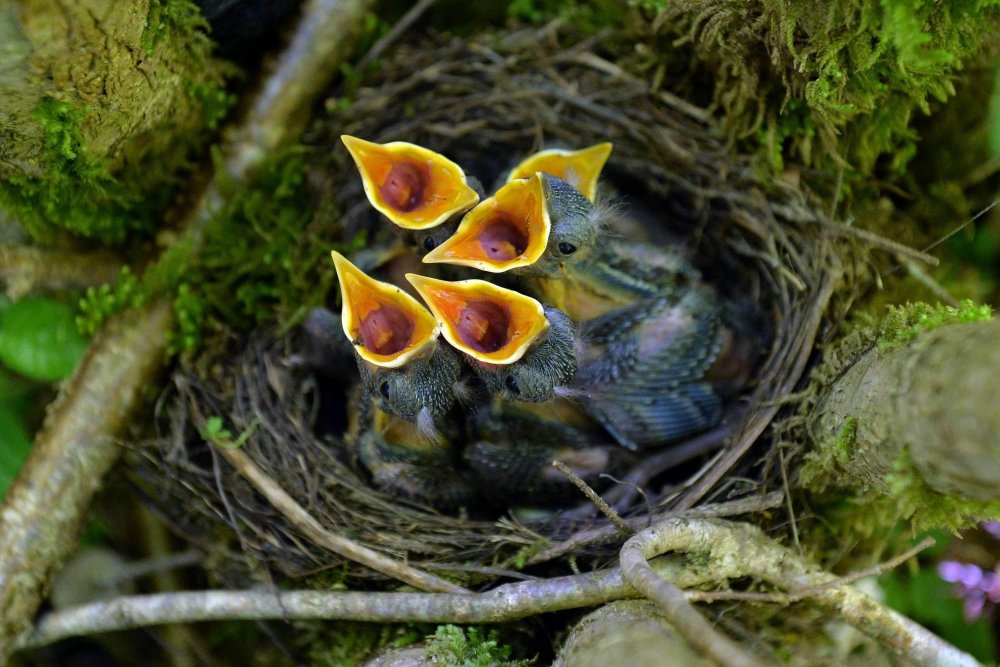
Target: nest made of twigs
[{"x": 479, "y": 102}]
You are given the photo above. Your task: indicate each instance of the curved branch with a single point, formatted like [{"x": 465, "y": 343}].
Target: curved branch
[
  {"x": 734, "y": 551},
  {"x": 50, "y": 497},
  {"x": 691, "y": 625}
]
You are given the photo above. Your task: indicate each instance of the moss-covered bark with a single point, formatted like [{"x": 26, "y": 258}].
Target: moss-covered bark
[
  {"x": 103, "y": 103},
  {"x": 909, "y": 428}
]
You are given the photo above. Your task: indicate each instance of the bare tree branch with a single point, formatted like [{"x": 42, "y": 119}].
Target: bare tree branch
[
  {"x": 48, "y": 501},
  {"x": 733, "y": 551},
  {"x": 319, "y": 535}
]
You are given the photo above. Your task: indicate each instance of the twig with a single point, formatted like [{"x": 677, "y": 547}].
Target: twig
[
  {"x": 504, "y": 603},
  {"x": 604, "y": 533},
  {"x": 27, "y": 269},
  {"x": 805, "y": 593},
  {"x": 320, "y": 536},
  {"x": 688, "y": 622},
  {"x": 401, "y": 26},
  {"x": 888, "y": 245},
  {"x": 593, "y": 497},
  {"x": 734, "y": 551},
  {"x": 49, "y": 499},
  {"x": 740, "y": 550}
]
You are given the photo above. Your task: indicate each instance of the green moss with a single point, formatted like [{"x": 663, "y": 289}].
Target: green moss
[
  {"x": 843, "y": 446},
  {"x": 99, "y": 303},
  {"x": 105, "y": 166},
  {"x": 166, "y": 17},
  {"x": 861, "y": 70},
  {"x": 925, "y": 508},
  {"x": 76, "y": 191},
  {"x": 215, "y": 101},
  {"x": 904, "y": 323},
  {"x": 589, "y": 17},
  {"x": 452, "y": 646}
]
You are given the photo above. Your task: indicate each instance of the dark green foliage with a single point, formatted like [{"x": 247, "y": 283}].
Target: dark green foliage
[
  {"x": 587, "y": 16},
  {"x": 453, "y": 646},
  {"x": 173, "y": 16},
  {"x": 215, "y": 101},
  {"x": 39, "y": 339},
  {"x": 261, "y": 261},
  {"x": 861, "y": 69}
]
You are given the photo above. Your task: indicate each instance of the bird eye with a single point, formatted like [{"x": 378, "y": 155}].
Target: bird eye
[
  {"x": 567, "y": 248},
  {"x": 429, "y": 243},
  {"x": 384, "y": 389},
  {"x": 511, "y": 385}
]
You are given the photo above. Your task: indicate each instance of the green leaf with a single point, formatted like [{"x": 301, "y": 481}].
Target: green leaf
[
  {"x": 39, "y": 339},
  {"x": 14, "y": 445}
]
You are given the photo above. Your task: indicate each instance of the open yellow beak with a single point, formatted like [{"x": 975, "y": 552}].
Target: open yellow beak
[
  {"x": 387, "y": 326},
  {"x": 578, "y": 168},
  {"x": 508, "y": 230},
  {"x": 489, "y": 323},
  {"x": 413, "y": 186}
]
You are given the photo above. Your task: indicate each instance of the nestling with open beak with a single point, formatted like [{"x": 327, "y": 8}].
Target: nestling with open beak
[
  {"x": 578, "y": 168},
  {"x": 531, "y": 226},
  {"x": 421, "y": 192},
  {"x": 402, "y": 365},
  {"x": 520, "y": 349}
]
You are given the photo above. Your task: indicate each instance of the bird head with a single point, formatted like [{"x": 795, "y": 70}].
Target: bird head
[
  {"x": 396, "y": 341},
  {"x": 578, "y": 168},
  {"x": 519, "y": 349},
  {"x": 533, "y": 226},
  {"x": 415, "y": 187}
]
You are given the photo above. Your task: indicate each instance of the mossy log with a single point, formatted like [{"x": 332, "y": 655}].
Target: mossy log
[
  {"x": 103, "y": 102},
  {"x": 916, "y": 425}
]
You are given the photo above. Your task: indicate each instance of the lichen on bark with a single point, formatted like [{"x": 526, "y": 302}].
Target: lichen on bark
[
  {"x": 105, "y": 102},
  {"x": 901, "y": 425}
]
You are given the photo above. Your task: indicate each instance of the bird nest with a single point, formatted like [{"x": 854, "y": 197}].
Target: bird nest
[{"x": 482, "y": 103}]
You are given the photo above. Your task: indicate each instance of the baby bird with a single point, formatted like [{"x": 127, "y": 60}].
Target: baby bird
[
  {"x": 579, "y": 168},
  {"x": 531, "y": 226},
  {"x": 657, "y": 371},
  {"x": 395, "y": 339},
  {"x": 520, "y": 350},
  {"x": 404, "y": 462},
  {"x": 513, "y": 446},
  {"x": 421, "y": 192}
]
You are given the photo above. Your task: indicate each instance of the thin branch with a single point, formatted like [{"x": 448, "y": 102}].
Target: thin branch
[
  {"x": 49, "y": 499},
  {"x": 734, "y": 551},
  {"x": 504, "y": 603},
  {"x": 688, "y": 622},
  {"x": 28, "y": 269},
  {"x": 593, "y": 497},
  {"x": 390, "y": 38},
  {"x": 888, "y": 245},
  {"x": 320, "y": 536}
]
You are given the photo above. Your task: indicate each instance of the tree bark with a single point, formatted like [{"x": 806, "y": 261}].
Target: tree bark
[
  {"x": 48, "y": 501},
  {"x": 935, "y": 399}
]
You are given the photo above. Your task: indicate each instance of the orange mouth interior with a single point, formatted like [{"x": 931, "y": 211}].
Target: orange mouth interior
[
  {"x": 386, "y": 329},
  {"x": 414, "y": 187},
  {"x": 489, "y": 323},
  {"x": 508, "y": 230},
  {"x": 403, "y": 187}
]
